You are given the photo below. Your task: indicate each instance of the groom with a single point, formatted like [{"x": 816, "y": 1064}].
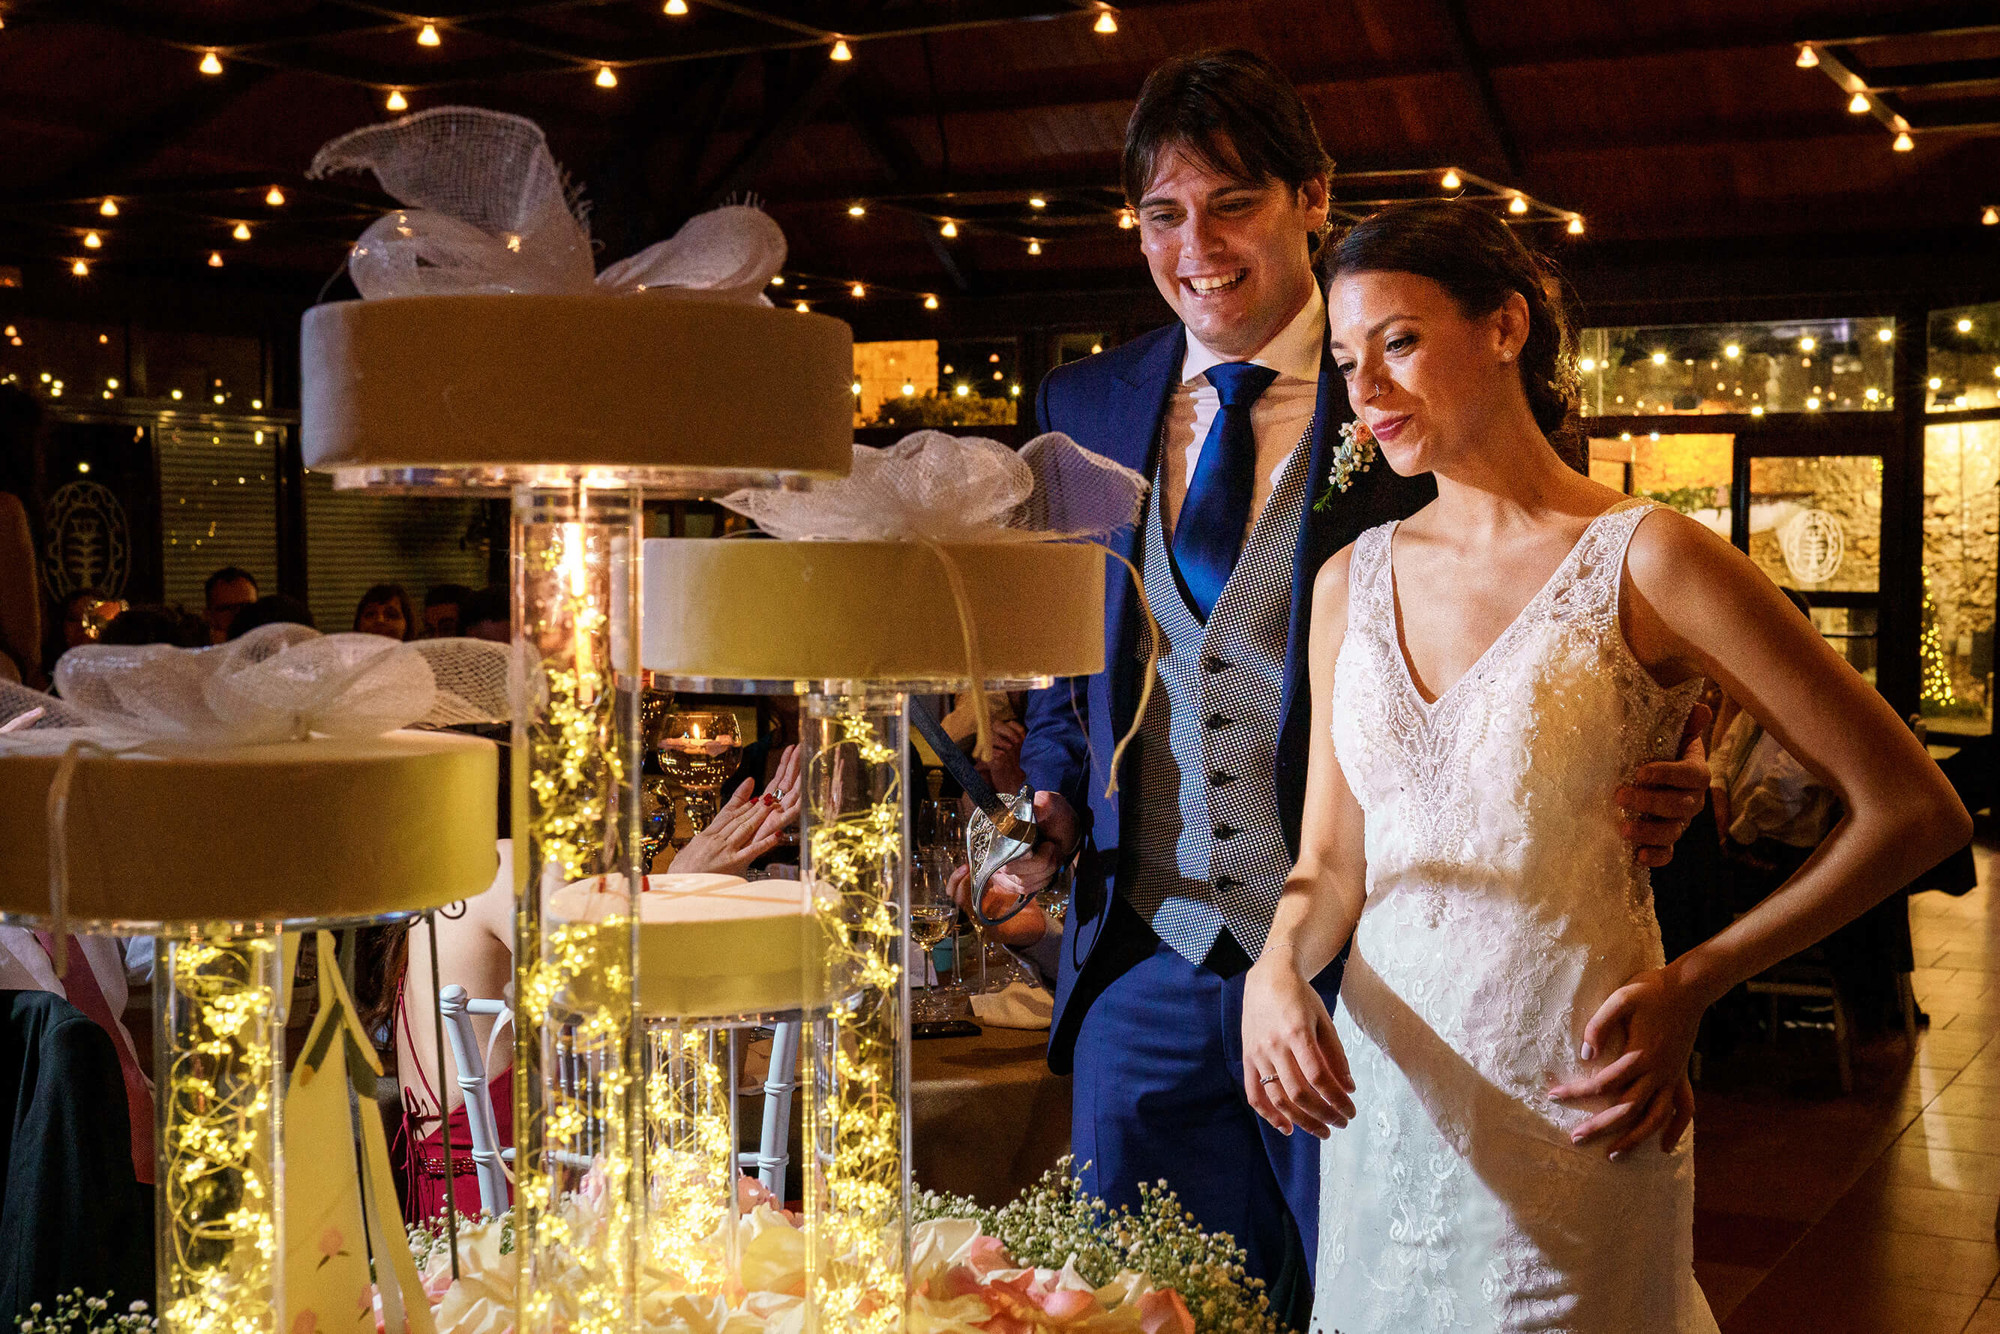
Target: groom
[{"x": 1234, "y": 415}]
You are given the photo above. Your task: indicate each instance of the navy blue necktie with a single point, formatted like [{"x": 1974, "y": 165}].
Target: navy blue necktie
[{"x": 1208, "y": 536}]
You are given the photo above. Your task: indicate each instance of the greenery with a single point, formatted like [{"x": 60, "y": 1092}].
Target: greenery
[
  {"x": 1055, "y": 1221},
  {"x": 1686, "y": 499},
  {"x": 429, "y": 1237},
  {"x": 75, "y": 1313},
  {"x": 936, "y": 411}
]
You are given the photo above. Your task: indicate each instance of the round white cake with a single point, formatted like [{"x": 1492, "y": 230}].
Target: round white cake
[
  {"x": 487, "y": 390},
  {"x": 713, "y": 945},
  {"x": 332, "y": 829}
]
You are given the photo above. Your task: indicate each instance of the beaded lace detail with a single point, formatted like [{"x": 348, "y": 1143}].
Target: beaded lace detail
[{"x": 1502, "y": 907}]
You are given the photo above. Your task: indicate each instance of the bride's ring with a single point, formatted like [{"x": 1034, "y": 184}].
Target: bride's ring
[
  {"x": 1268, "y": 1079},
  {"x": 776, "y": 794}
]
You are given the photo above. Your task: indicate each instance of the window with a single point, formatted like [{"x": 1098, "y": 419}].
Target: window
[{"x": 1778, "y": 366}]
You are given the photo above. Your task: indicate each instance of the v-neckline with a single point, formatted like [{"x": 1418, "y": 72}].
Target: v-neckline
[{"x": 1431, "y": 704}]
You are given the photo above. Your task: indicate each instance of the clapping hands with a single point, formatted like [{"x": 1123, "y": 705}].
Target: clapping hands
[{"x": 745, "y": 828}]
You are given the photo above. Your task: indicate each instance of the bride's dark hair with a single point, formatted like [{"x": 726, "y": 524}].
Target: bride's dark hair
[{"x": 1481, "y": 262}]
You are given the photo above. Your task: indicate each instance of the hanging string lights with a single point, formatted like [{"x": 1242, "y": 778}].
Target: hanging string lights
[
  {"x": 840, "y": 51},
  {"x": 109, "y": 208},
  {"x": 1106, "y": 23},
  {"x": 210, "y": 63},
  {"x": 605, "y": 78},
  {"x": 428, "y": 35},
  {"x": 396, "y": 101}
]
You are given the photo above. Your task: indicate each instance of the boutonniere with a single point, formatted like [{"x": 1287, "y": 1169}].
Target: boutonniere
[{"x": 1354, "y": 454}]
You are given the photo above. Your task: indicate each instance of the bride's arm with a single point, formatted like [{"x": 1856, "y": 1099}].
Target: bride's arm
[
  {"x": 1696, "y": 604},
  {"x": 1294, "y": 1071}
]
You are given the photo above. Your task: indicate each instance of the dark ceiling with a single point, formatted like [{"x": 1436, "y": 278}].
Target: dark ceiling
[{"x": 1660, "y": 124}]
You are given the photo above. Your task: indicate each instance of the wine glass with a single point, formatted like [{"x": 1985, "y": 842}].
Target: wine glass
[
  {"x": 931, "y": 916},
  {"x": 697, "y": 753}
]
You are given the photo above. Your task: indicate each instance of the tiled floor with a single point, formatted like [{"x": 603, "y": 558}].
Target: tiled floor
[{"x": 1871, "y": 1213}]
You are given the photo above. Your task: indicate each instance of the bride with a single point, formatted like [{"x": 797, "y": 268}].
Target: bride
[{"x": 1504, "y": 1090}]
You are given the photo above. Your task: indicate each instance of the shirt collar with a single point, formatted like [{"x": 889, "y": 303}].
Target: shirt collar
[{"x": 1294, "y": 352}]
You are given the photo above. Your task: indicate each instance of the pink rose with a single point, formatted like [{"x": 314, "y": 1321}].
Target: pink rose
[
  {"x": 1162, "y": 1311},
  {"x": 986, "y": 1254}
]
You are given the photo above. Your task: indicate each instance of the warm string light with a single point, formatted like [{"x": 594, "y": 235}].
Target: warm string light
[
  {"x": 674, "y": 8},
  {"x": 1106, "y": 23},
  {"x": 396, "y": 101},
  {"x": 109, "y": 208},
  {"x": 1965, "y": 326},
  {"x": 858, "y": 291},
  {"x": 1450, "y": 180},
  {"x": 1808, "y": 343},
  {"x": 1885, "y": 334},
  {"x": 241, "y": 231},
  {"x": 690, "y": 1157},
  {"x": 1576, "y": 225},
  {"x": 215, "y": 259},
  {"x": 930, "y": 303},
  {"x": 210, "y": 63},
  {"x": 275, "y": 198},
  {"x": 1127, "y": 220},
  {"x": 79, "y": 268},
  {"x": 1034, "y": 247},
  {"x": 801, "y": 308},
  {"x": 1904, "y": 143},
  {"x": 605, "y": 78},
  {"x": 840, "y": 51},
  {"x": 428, "y": 35},
  {"x": 1036, "y": 201},
  {"x": 949, "y": 230},
  {"x": 1937, "y": 688},
  {"x": 857, "y": 210},
  {"x": 1808, "y": 58},
  {"x": 1517, "y": 205},
  {"x": 1991, "y": 217},
  {"x": 1858, "y": 104},
  {"x": 92, "y": 241}
]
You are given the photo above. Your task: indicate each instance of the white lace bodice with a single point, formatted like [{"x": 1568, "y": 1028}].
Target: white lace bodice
[{"x": 1503, "y": 906}]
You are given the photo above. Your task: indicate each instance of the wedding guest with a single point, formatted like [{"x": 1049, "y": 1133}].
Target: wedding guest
[
  {"x": 154, "y": 623},
  {"x": 224, "y": 593},
  {"x": 20, "y": 574},
  {"x": 443, "y": 608},
  {"x": 276, "y": 609},
  {"x": 486, "y": 615},
  {"x": 385, "y": 610}
]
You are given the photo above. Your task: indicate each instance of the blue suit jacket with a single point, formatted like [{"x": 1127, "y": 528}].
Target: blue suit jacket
[{"x": 1113, "y": 403}]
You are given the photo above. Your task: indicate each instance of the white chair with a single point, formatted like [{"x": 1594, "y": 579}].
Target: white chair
[{"x": 769, "y": 1161}]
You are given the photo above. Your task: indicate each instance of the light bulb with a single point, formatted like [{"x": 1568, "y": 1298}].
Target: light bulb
[
  {"x": 1756, "y": 409},
  {"x": 79, "y": 268},
  {"x": 215, "y": 259},
  {"x": 605, "y": 78},
  {"x": 1105, "y": 23},
  {"x": 857, "y": 291},
  {"x": 1733, "y": 351},
  {"x": 1936, "y": 383},
  {"x": 1812, "y": 404},
  {"x": 840, "y": 51},
  {"x": 777, "y": 280},
  {"x": 1036, "y": 201},
  {"x": 1858, "y": 104},
  {"x": 1872, "y": 394},
  {"x": 948, "y": 230},
  {"x": 1991, "y": 217},
  {"x": 109, "y": 208},
  {"x": 1450, "y": 180},
  {"x": 210, "y": 64},
  {"x": 1587, "y": 365},
  {"x": 10, "y": 332},
  {"x": 242, "y": 232},
  {"x": 428, "y": 36},
  {"x": 856, "y": 387},
  {"x": 276, "y": 198},
  {"x": 1808, "y": 58},
  {"x": 1904, "y": 143},
  {"x": 857, "y": 210},
  {"x": 396, "y": 100},
  {"x": 1964, "y": 326},
  {"x": 1034, "y": 247},
  {"x": 675, "y": 7},
  {"x": 908, "y": 389},
  {"x": 1014, "y": 389},
  {"x": 175, "y": 395},
  {"x": 1885, "y": 334},
  {"x": 930, "y": 303},
  {"x": 1127, "y": 221},
  {"x": 1659, "y": 358},
  {"x": 1576, "y": 226},
  {"x": 91, "y": 241},
  {"x": 964, "y": 390},
  {"x": 1808, "y": 343},
  {"x": 801, "y": 308}
]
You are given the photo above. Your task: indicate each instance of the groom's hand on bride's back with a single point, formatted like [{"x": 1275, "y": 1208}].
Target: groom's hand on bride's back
[{"x": 1664, "y": 797}]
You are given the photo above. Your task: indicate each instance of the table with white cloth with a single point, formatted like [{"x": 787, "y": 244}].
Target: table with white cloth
[{"x": 987, "y": 1118}]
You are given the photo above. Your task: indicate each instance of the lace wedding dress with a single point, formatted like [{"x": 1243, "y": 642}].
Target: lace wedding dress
[{"x": 1503, "y": 907}]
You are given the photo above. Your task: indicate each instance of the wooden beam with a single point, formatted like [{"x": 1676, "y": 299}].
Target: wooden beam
[
  {"x": 776, "y": 133},
  {"x": 901, "y": 161},
  {"x": 1465, "y": 46}
]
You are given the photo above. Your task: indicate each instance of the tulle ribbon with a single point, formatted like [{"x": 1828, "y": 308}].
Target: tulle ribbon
[
  {"x": 937, "y": 489},
  {"x": 277, "y": 683},
  {"x": 486, "y": 209}
]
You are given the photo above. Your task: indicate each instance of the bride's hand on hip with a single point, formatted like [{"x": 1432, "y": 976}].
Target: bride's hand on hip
[
  {"x": 1651, "y": 1022},
  {"x": 1294, "y": 1071}
]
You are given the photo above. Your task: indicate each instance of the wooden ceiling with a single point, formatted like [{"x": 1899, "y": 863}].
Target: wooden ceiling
[{"x": 1659, "y": 123}]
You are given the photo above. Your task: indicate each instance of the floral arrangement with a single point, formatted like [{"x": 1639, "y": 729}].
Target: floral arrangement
[
  {"x": 1054, "y": 1261},
  {"x": 1354, "y": 455},
  {"x": 74, "y": 1313}
]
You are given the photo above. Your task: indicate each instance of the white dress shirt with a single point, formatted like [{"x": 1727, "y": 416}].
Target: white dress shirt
[{"x": 1280, "y": 415}]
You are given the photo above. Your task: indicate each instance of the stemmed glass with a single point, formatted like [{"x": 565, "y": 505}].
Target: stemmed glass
[
  {"x": 697, "y": 753},
  {"x": 932, "y": 913}
]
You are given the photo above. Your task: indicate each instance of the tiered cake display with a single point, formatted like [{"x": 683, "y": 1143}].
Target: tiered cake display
[{"x": 487, "y": 357}]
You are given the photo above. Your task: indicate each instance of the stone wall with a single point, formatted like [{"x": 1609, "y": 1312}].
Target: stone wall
[{"x": 1961, "y": 540}]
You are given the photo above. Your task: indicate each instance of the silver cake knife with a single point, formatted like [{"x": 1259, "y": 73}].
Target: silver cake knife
[{"x": 1001, "y": 828}]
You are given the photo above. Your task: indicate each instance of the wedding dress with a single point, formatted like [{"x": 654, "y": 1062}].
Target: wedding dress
[{"x": 1502, "y": 908}]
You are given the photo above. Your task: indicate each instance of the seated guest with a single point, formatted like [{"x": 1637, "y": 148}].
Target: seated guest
[
  {"x": 385, "y": 610},
  {"x": 276, "y": 609},
  {"x": 443, "y": 608},
  {"x": 154, "y": 623},
  {"x": 226, "y": 592},
  {"x": 487, "y": 615}
]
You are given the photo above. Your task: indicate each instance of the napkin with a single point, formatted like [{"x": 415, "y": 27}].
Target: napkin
[{"x": 1019, "y": 1005}]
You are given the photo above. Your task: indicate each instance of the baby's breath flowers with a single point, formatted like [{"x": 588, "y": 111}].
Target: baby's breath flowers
[
  {"x": 74, "y": 1313},
  {"x": 1056, "y": 1222}
]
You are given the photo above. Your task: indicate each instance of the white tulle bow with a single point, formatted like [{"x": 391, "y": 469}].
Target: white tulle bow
[{"x": 486, "y": 209}]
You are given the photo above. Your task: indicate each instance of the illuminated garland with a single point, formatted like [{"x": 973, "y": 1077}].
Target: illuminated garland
[
  {"x": 856, "y": 1266},
  {"x": 690, "y": 1156},
  {"x": 1937, "y": 688},
  {"x": 217, "y": 1165}
]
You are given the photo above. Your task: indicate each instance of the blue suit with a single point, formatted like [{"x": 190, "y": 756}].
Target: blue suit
[{"x": 1113, "y": 404}]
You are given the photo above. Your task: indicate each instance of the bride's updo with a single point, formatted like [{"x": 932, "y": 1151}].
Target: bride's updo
[{"x": 1481, "y": 262}]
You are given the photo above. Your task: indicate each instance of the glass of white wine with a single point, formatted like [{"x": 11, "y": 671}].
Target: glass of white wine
[{"x": 932, "y": 914}]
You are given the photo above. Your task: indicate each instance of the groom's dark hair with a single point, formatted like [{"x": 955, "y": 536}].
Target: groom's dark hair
[{"x": 1230, "y": 111}]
